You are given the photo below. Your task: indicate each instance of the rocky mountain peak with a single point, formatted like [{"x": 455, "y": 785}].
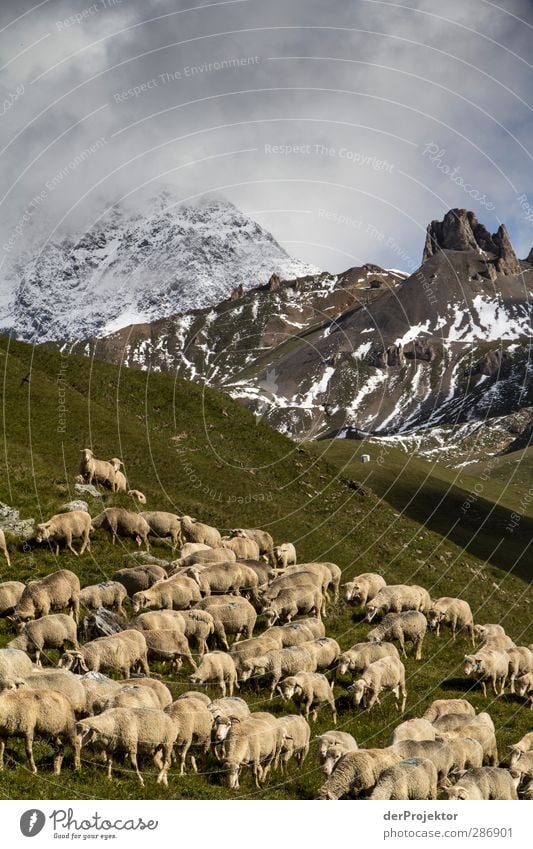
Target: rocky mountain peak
[{"x": 461, "y": 231}]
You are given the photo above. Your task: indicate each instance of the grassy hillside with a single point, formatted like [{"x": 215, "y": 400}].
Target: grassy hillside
[{"x": 193, "y": 450}]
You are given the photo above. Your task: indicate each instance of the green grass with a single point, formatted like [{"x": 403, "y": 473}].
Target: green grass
[{"x": 194, "y": 450}]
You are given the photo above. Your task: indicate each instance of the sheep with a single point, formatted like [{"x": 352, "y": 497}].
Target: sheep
[
  {"x": 295, "y": 741},
  {"x": 477, "y": 731},
  {"x": 284, "y": 555},
  {"x": 296, "y": 633},
  {"x": 109, "y": 594},
  {"x": 199, "y": 626},
  {"x": 58, "y": 680},
  {"x": 123, "y": 651},
  {"x": 203, "y": 558},
  {"x": 10, "y": 593},
  {"x": 453, "y": 613},
  {"x": 357, "y": 772},
  {"x": 56, "y": 591},
  {"x": 217, "y": 667},
  {"x": 163, "y": 524},
  {"x": 525, "y": 687},
  {"x": 177, "y": 593},
  {"x": 308, "y": 690},
  {"x": 253, "y": 741},
  {"x": 525, "y": 744},
  {"x": 194, "y": 531},
  {"x": 168, "y": 645},
  {"x": 228, "y": 706},
  {"x": 255, "y": 647},
  {"x": 276, "y": 663},
  {"x": 488, "y": 665},
  {"x": 123, "y": 523},
  {"x": 385, "y": 674},
  {"x": 51, "y": 632},
  {"x": 358, "y": 657},
  {"x": 137, "y": 495},
  {"x": 14, "y": 664},
  {"x": 262, "y": 538},
  {"x": 339, "y": 740},
  {"x": 64, "y": 527},
  {"x": 243, "y": 548},
  {"x": 483, "y": 632},
  {"x": 133, "y": 731},
  {"x": 98, "y": 690},
  {"x": 440, "y": 707},
  {"x": 132, "y": 695},
  {"x": 139, "y": 578},
  {"x": 409, "y": 626},
  {"x": 264, "y": 571},
  {"x": 189, "y": 548},
  {"x": 436, "y": 751},
  {"x": 523, "y": 766},
  {"x": 453, "y": 721},
  {"x": 161, "y": 690},
  {"x": 121, "y": 482},
  {"x": 467, "y": 753},
  {"x": 161, "y": 619},
  {"x": 193, "y": 723},
  {"x": 363, "y": 588},
  {"x": 326, "y": 575},
  {"x": 290, "y": 602},
  {"x": 231, "y": 615},
  {"x": 415, "y": 778},
  {"x": 96, "y": 471},
  {"x": 412, "y": 729},
  {"x": 484, "y": 783},
  {"x": 497, "y": 642},
  {"x": 520, "y": 662},
  {"x": 220, "y": 578},
  {"x": 527, "y": 792},
  {"x": 326, "y": 651},
  {"x": 47, "y": 714},
  {"x": 332, "y": 755},
  {"x": 397, "y": 598},
  {"x": 195, "y": 694},
  {"x": 3, "y": 547}
]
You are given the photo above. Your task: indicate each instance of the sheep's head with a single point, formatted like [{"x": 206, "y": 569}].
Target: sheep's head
[
  {"x": 86, "y": 454},
  {"x": 470, "y": 664},
  {"x": 358, "y": 689},
  {"x": 271, "y": 615},
  {"x": 434, "y": 617},
  {"x": 72, "y": 660},
  {"x": 238, "y": 532},
  {"x": 331, "y": 756},
  {"x": 221, "y": 727},
  {"x": 288, "y": 688},
  {"x": 43, "y": 532},
  {"x": 247, "y": 670},
  {"x": 232, "y": 771},
  {"x": 139, "y": 601},
  {"x": 343, "y": 664},
  {"x": 371, "y": 610},
  {"x": 87, "y": 734},
  {"x": 523, "y": 684},
  {"x": 116, "y": 463}
]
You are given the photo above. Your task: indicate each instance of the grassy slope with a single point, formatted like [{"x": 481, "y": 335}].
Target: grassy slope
[{"x": 195, "y": 451}]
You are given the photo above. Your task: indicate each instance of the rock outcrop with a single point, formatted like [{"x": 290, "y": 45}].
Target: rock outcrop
[{"x": 461, "y": 231}]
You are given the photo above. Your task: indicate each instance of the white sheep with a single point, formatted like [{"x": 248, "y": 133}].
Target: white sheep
[
  {"x": 243, "y": 548},
  {"x": 436, "y": 751},
  {"x": 59, "y": 680},
  {"x": 485, "y": 783},
  {"x": 309, "y": 690},
  {"x": 137, "y": 495},
  {"x": 487, "y": 665},
  {"x": 415, "y": 778},
  {"x": 168, "y": 645},
  {"x": 467, "y": 753},
  {"x": 121, "y": 483},
  {"x": 477, "y": 731},
  {"x": 10, "y": 593},
  {"x": 357, "y": 772},
  {"x": 132, "y": 695},
  {"x": 296, "y": 633},
  {"x": 164, "y": 525},
  {"x": 3, "y": 547},
  {"x": 131, "y": 731},
  {"x": 220, "y": 578},
  {"x": 253, "y": 741},
  {"x": 520, "y": 663},
  {"x": 523, "y": 766},
  {"x": 45, "y": 714},
  {"x": 189, "y": 548},
  {"x": 217, "y": 667},
  {"x": 262, "y": 538},
  {"x": 396, "y": 599},
  {"x": 232, "y": 615},
  {"x": 408, "y": 626},
  {"x": 331, "y": 753},
  {"x": 525, "y": 687},
  {"x": 295, "y": 740},
  {"x": 285, "y": 555},
  {"x": 56, "y": 591},
  {"x": 440, "y": 707},
  {"x": 109, "y": 594},
  {"x": 14, "y": 664},
  {"x": 194, "y": 531},
  {"x": 123, "y": 523},
  {"x": 203, "y": 557},
  {"x": 277, "y": 663},
  {"x": 413, "y": 729},
  {"x": 65, "y": 527},
  {"x": 96, "y": 471},
  {"x": 289, "y": 602},
  {"x": 255, "y": 647},
  {"x": 123, "y": 651},
  {"x": 176, "y": 593},
  {"x": 326, "y": 651},
  {"x": 359, "y": 656},
  {"x": 363, "y": 588},
  {"x": 525, "y": 744},
  {"x": 193, "y": 723},
  {"x": 139, "y": 578},
  {"x": 49, "y": 632},
  {"x": 453, "y": 721},
  {"x": 454, "y": 613},
  {"x": 385, "y": 674}
]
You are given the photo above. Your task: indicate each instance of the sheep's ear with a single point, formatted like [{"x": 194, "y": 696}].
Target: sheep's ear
[{"x": 234, "y": 720}]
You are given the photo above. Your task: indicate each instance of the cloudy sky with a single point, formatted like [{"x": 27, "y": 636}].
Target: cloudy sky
[{"x": 343, "y": 126}]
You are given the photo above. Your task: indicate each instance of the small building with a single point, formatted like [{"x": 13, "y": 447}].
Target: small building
[{"x": 365, "y": 458}]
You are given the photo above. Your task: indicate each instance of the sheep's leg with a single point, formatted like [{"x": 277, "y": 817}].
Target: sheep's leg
[
  {"x": 58, "y": 757},
  {"x": 2, "y": 749},
  {"x": 68, "y": 540},
  {"x": 334, "y": 712},
  {"x": 418, "y": 652},
  {"x": 454, "y": 628},
  {"x": 511, "y": 681},
  {"x": 193, "y": 764},
  {"x": 484, "y": 686},
  {"x": 494, "y": 687},
  {"x": 404, "y": 694},
  {"x": 402, "y": 644},
  {"x": 437, "y": 630},
  {"x": 110, "y": 766},
  {"x": 28, "y": 744},
  {"x": 57, "y": 549},
  {"x": 222, "y": 685},
  {"x": 503, "y": 685},
  {"x": 38, "y": 657},
  {"x": 183, "y": 756},
  {"x": 133, "y": 761}
]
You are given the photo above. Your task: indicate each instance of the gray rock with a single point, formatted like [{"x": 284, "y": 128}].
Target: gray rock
[
  {"x": 77, "y": 504},
  {"x": 10, "y": 521},
  {"x": 87, "y": 489}
]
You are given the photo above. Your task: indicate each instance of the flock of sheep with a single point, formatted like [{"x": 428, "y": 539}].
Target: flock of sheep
[{"x": 201, "y": 609}]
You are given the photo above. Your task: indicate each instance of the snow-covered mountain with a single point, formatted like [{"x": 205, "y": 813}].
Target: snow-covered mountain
[{"x": 131, "y": 268}]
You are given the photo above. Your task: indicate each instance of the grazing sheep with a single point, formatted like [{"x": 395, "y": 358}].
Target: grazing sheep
[
  {"x": 412, "y": 729},
  {"x": 168, "y": 645},
  {"x": 109, "y": 594},
  {"x": 309, "y": 690},
  {"x": 415, "y": 778},
  {"x": 136, "y": 579},
  {"x": 123, "y": 651},
  {"x": 409, "y": 626},
  {"x": 217, "y": 578},
  {"x": 296, "y": 633},
  {"x": 121, "y": 483},
  {"x": 3, "y": 547},
  {"x": 10, "y": 593},
  {"x": 395, "y": 599},
  {"x": 358, "y": 657},
  {"x": 217, "y": 667},
  {"x": 48, "y": 632},
  {"x": 264, "y": 571},
  {"x": 243, "y": 548},
  {"x": 483, "y": 632},
  {"x": 520, "y": 662},
  {"x": 357, "y": 772},
  {"x": 364, "y": 588},
  {"x": 436, "y": 751},
  {"x": 177, "y": 593},
  {"x": 290, "y": 602},
  {"x": 46, "y": 714},
  {"x": 295, "y": 741},
  {"x": 14, "y": 664},
  {"x": 262, "y": 538},
  {"x": 232, "y": 615},
  {"x": 527, "y": 792},
  {"x": 477, "y": 731},
  {"x": 523, "y": 766},
  {"x": 228, "y": 706},
  {"x": 380, "y": 676},
  {"x": 525, "y": 744},
  {"x": 284, "y": 555},
  {"x": 199, "y": 626},
  {"x": 440, "y": 707},
  {"x": 326, "y": 575},
  {"x": 335, "y": 738},
  {"x": 132, "y": 696},
  {"x": 193, "y": 723},
  {"x": 255, "y": 647},
  {"x": 196, "y": 694},
  {"x": 253, "y": 741},
  {"x": 453, "y": 613},
  {"x": 326, "y": 651},
  {"x": 194, "y": 531},
  {"x": 98, "y": 690},
  {"x": 123, "y": 523},
  {"x": 277, "y": 663},
  {"x": 467, "y": 753},
  {"x": 203, "y": 558},
  {"x": 132, "y": 731},
  {"x": 96, "y": 471},
  {"x": 525, "y": 687},
  {"x": 161, "y": 690},
  {"x": 137, "y": 495},
  {"x": 163, "y": 525},
  {"x": 484, "y": 783},
  {"x": 453, "y": 721},
  {"x": 488, "y": 665},
  {"x": 331, "y": 754},
  {"x": 59, "y": 680},
  {"x": 56, "y": 591},
  {"x": 189, "y": 548},
  {"x": 498, "y": 642},
  {"x": 64, "y": 527},
  {"x": 292, "y": 581}
]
